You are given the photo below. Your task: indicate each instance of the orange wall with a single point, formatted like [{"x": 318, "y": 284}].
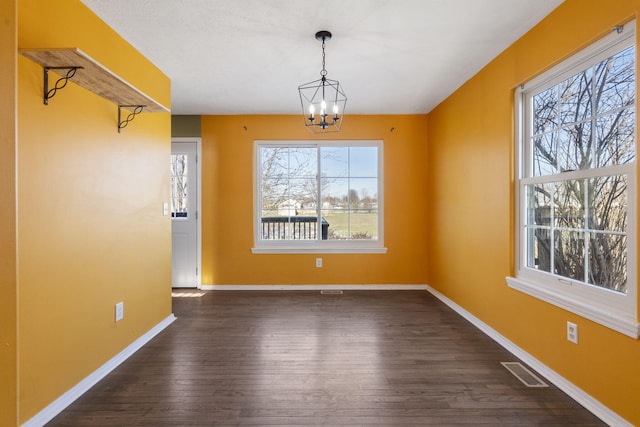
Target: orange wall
[
  {"x": 91, "y": 231},
  {"x": 8, "y": 279},
  {"x": 470, "y": 186},
  {"x": 227, "y": 204}
]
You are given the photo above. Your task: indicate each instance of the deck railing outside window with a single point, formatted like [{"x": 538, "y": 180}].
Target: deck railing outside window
[{"x": 293, "y": 228}]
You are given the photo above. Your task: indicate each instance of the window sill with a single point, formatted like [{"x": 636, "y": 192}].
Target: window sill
[
  {"x": 620, "y": 323},
  {"x": 318, "y": 250}
]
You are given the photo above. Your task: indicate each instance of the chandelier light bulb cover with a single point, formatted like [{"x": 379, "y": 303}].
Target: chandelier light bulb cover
[{"x": 323, "y": 101}]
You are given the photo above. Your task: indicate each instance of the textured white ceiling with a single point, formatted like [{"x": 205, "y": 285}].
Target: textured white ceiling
[{"x": 249, "y": 56}]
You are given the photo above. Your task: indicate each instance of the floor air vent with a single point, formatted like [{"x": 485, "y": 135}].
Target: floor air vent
[
  {"x": 527, "y": 377},
  {"x": 331, "y": 292}
]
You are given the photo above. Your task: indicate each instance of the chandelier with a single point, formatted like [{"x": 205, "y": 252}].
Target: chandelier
[{"x": 322, "y": 100}]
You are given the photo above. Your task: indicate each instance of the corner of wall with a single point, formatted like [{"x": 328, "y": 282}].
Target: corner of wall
[
  {"x": 186, "y": 126},
  {"x": 8, "y": 262}
]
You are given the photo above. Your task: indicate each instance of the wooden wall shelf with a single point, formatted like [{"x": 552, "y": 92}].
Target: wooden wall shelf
[{"x": 94, "y": 77}]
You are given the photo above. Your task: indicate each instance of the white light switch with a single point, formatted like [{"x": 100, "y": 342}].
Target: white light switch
[
  {"x": 165, "y": 209},
  {"x": 119, "y": 311}
]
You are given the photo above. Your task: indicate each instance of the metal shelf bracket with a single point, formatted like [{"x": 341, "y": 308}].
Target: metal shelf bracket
[
  {"x": 62, "y": 81},
  {"x": 136, "y": 109}
]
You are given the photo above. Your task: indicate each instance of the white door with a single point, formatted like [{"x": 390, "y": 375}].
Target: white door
[{"x": 184, "y": 215}]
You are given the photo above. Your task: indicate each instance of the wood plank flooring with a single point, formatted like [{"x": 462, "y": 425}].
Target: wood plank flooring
[{"x": 300, "y": 358}]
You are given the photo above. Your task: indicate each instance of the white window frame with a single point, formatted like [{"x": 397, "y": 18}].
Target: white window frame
[
  {"x": 317, "y": 246},
  {"x": 611, "y": 309}
]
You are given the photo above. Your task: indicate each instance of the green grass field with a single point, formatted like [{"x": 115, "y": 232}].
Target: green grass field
[{"x": 361, "y": 222}]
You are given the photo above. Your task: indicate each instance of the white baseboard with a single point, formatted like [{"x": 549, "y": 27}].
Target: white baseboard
[
  {"x": 352, "y": 287},
  {"x": 577, "y": 394},
  {"x": 48, "y": 413}
]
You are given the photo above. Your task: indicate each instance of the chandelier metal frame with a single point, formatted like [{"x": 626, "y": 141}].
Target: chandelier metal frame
[{"x": 323, "y": 101}]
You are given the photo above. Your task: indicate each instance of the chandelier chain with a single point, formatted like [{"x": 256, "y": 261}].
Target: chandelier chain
[{"x": 323, "y": 73}]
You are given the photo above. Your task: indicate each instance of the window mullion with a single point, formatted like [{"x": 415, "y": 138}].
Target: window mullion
[
  {"x": 319, "y": 194},
  {"x": 552, "y": 232},
  {"x": 349, "y": 204},
  {"x": 587, "y": 181},
  {"x": 587, "y": 215}
]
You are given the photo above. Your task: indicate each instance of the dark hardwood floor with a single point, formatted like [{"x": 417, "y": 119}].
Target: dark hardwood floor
[{"x": 297, "y": 358}]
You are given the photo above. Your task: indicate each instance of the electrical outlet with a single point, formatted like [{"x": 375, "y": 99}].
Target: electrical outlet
[
  {"x": 119, "y": 311},
  {"x": 319, "y": 262},
  {"x": 572, "y": 332}
]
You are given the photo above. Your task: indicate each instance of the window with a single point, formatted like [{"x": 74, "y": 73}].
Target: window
[
  {"x": 318, "y": 196},
  {"x": 576, "y": 190},
  {"x": 178, "y": 173}
]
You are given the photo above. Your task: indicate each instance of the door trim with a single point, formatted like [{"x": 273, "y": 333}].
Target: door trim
[{"x": 198, "y": 142}]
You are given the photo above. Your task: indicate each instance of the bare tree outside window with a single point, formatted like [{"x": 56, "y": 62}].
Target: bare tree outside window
[
  {"x": 178, "y": 174},
  {"x": 288, "y": 181},
  {"x": 576, "y": 223}
]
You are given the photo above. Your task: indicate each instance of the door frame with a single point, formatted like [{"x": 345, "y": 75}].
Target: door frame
[{"x": 198, "y": 142}]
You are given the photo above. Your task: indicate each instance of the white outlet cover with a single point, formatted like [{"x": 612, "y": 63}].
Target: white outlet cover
[
  {"x": 318, "y": 262},
  {"x": 572, "y": 332}
]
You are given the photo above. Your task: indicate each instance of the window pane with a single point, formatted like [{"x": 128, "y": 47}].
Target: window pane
[
  {"x": 338, "y": 221},
  {"x": 539, "y": 204},
  {"x": 178, "y": 185},
  {"x": 615, "y": 140},
  {"x": 539, "y": 249},
  {"x": 608, "y": 261},
  {"x": 302, "y": 195},
  {"x": 179, "y": 164},
  {"x": 545, "y": 154},
  {"x": 568, "y": 204},
  {"x": 364, "y": 225},
  {"x": 179, "y": 208},
  {"x": 351, "y": 225},
  {"x": 363, "y": 193},
  {"x": 335, "y": 193},
  {"x": 608, "y": 203},
  {"x": 303, "y": 162},
  {"x": 575, "y": 97},
  {"x": 569, "y": 256},
  {"x": 574, "y": 147},
  {"x": 363, "y": 162},
  {"x": 335, "y": 162},
  {"x": 615, "y": 78},
  {"x": 274, "y": 162},
  {"x": 274, "y": 192},
  {"x": 288, "y": 179},
  {"x": 278, "y": 162},
  {"x": 545, "y": 111}
]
